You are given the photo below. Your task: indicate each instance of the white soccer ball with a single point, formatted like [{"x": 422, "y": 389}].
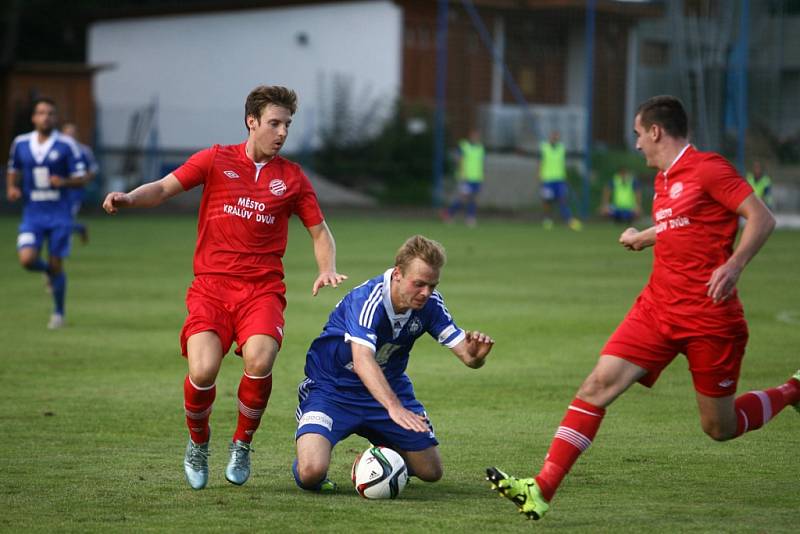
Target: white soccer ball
[{"x": 379, "y": 473}]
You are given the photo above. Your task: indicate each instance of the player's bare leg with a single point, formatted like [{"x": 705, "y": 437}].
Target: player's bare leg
[
  {"x": 310, "y": 469},
  {"x": 425, "y": 464},
  {"x": 729, "y": 417},
  {"x": 55, "y": 279},
  {"x": 717, "y": 416},
  {"x": 259, "y": 353},
  {"x": 204, "y": 355}
]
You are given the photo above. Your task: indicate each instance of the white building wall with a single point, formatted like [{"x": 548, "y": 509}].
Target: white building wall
[{"x": 200, "y": 67}]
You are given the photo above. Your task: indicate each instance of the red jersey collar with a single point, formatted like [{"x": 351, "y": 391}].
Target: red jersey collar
[{"x": 242, "y": 150}]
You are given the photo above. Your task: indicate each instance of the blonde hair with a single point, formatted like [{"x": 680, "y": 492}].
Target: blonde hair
[
  {"x": 261, "y": 96},
  {"x": 418, "y": 246}
]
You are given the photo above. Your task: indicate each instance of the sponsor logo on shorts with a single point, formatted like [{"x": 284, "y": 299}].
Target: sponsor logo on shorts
[
  {"x": 676, "y": 190},
  {"x": 316, "y": 418},
  {"x": 230, "y": 174},
  {"x": 728, "y": 382},
  {"x": 277, "y": 187},
  {"x": 26, "y": 239}
]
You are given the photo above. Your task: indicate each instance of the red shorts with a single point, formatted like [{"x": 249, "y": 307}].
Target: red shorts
[
  {"x": 644, "y": 340},
  {"x": 234, "y": 309}
]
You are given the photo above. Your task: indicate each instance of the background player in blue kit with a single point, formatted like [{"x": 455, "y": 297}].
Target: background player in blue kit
[
  {"x": 47, "y": 163},
  {"x": 78, "y": 193},
  {"x": 355, "y": 370}
]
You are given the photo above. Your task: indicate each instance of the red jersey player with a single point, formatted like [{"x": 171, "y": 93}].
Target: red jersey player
[
  {"x": 689, "y": 305},
  {"x": 249, "y": 193}
]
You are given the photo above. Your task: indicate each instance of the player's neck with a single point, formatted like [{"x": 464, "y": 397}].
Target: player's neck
[
  {"x": 42, "y": 137},
  {"x": 670, "y": 151},
  {"x": 254, "y": 154},
  {"x": 397, "y": 308}
]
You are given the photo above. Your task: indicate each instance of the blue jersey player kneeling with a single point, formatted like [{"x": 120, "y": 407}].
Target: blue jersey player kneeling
[{"x": 355, "y": 370}]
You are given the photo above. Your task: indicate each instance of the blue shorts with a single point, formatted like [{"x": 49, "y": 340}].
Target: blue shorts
[
  {"x": 319, "y": 413},
  {"x": 551, "y": 191},
  {"x": 58, "y": 236},
  {"x": 469, "y": 188}
]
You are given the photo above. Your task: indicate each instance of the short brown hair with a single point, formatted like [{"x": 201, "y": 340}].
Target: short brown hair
[
  {"x": 418, "y": 246},
  {"x": 668, "y": 112},
  {"x": 263, "y": 95}
]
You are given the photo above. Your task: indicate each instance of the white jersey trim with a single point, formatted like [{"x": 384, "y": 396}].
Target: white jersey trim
[
  {"x": 361, "y": 341},
  {"x": 458, "y": 339},
  {"x": 370, "y": 305},
  {"x": 397, "y": 320}
]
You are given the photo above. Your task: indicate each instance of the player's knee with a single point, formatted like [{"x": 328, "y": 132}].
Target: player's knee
[
  {"x": 717, "y": 431},
  {"x": 203, "y": 376},
  {"x": 595, "y": 388},
  {"x": 28, "y": 260},
  {"x": 311, "y": 473},
  {"x": 430, "y": 473}
]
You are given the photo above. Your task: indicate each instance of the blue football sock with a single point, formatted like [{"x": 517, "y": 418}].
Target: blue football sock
[
  {"x": 38, "y": 265},
  {"x": 59, "y": 284}
]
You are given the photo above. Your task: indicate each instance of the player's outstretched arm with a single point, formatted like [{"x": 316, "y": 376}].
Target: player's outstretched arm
[
  {"x": 760, "y": 224},
  {"x": 144, "y": 196},
  {"x": 473, "y": 349},
  {"x": 370, "y": 373},
  {"x": 325, "y": 254},
  {"x": 634, "y": 239}
]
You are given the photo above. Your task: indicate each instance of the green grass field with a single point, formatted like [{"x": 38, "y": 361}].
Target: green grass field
[{"x": 91, "y": 421}]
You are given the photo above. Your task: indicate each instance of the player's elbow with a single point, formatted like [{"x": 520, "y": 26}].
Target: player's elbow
[{"x": 770, "y": 222}]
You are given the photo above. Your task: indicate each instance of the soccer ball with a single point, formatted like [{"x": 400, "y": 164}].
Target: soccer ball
[{"x": 379, "y": 473}]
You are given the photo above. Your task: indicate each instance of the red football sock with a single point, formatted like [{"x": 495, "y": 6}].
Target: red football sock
[
  {"x": 755, "y": 408},
  {"x": 574, "y": 436},
  {"x": 197, "y": 403},
  {"x": 254, "y": 393}
]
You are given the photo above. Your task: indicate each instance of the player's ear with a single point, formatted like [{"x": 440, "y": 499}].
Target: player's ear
[
  {"x": 655, "y": 132},
  {"x": 252, "y": 122},
  {"x": 396, "y": 274}
]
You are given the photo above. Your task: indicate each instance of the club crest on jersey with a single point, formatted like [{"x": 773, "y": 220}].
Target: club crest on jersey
[
  {"x": 52, "y": 156},
  {"x": 414, "y": 326},
  {"x": 277, "y": 187},
  {"x": 230, "y": 174},
  {"x": 676, "y": 190}
]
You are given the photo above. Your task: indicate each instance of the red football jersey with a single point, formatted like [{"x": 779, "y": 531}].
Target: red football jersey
[
  {"x": 244, "y": 213},
  {"x": 694, "y": 210}
]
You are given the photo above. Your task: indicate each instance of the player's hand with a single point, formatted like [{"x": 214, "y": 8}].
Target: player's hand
[
  {"x": 723, "y": 281},
  {"x": 478, "y": 344},
  {"x": 116, "y": 200},
  {"x": 409, "y": 420},
  {"x": 628, "y": 239},
  {"x": 13, "y": 193},
  {"x": 58, "y": 181},
  {"x": 328, "y": 278}
]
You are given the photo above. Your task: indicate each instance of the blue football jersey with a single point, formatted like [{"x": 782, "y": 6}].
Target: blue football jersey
[
  {"x": 366, "y": 316},
  {"x": 36, "y": 162}
]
